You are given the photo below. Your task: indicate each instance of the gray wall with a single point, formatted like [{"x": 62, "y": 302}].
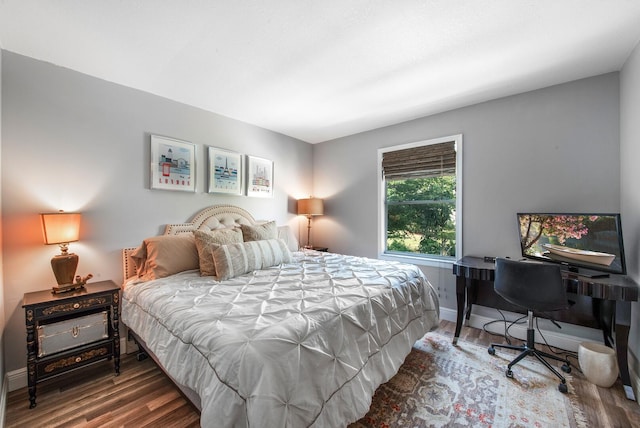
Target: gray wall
[
  {"x": 74, "y": 142},
  {"x": 554, "y": 149},
  {"x": 630, "y": 177}
]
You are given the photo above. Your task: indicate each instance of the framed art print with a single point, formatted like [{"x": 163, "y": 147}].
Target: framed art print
[
  {"x": 225, "y": 171},
  {"x": 259, "y": 177},
  {"x": 172, "y": 164}
]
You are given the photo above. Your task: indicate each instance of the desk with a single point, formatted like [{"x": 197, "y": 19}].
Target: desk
[{"x": 474, "y": 285}]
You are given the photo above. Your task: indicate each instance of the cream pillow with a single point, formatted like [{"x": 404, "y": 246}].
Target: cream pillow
[
  {"x": 207, "y": 242},
  {"x": 236, "y": 259},
  {"x": 259, "y": 232},
  {"x": 167, "y": 255}
]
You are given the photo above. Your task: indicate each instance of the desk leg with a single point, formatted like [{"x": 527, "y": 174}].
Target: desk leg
[
  {"x": 605, "y": 312},
  {"x": 622, "y": 320},
  {"x": 461, "y": 294},
  {"x": 472, "y": 296},
  {"x": 622, "y": 336},
  {"x": 615, "y": 333}
]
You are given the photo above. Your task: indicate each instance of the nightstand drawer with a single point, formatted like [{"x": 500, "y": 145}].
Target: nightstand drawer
[
  {"x": 63, "y": 362},
  {"x": 82, "y": 304},
  {"x": 59, "y": 336}
]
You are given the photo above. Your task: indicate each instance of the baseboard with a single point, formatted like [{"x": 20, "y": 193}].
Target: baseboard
[
  {"x": 554, "y": 338},
  {"x": 3, "y": 400},
  {"x": 17, "y": 379}
]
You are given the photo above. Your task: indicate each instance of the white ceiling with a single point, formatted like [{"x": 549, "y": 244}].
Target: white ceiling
[{"x": 322, "y": 69}]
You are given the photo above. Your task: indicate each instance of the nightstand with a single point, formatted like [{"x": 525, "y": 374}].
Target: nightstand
[
  {"x": 70, "y": 330},
  {"x": 323, "y": 249}
]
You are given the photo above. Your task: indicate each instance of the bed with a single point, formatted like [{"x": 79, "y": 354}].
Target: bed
[{"x": 303, "y": 340}]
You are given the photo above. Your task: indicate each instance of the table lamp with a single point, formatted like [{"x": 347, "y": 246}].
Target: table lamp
[
  {"x": 61, "y": 228},
  {"x": 310, "y": 207}
]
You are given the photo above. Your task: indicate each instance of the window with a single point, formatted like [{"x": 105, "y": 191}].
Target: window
[{"x": 421, "y": 198}]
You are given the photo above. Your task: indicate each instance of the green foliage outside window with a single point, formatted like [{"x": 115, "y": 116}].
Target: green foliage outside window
[{"x": 421, "y": 215}]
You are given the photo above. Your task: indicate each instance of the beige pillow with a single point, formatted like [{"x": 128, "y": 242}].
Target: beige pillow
[
  {"x": 139, "y": 257},
  {"x": 259, "y": 232},
  {"x": 167, "y": 255},
  {"x": 236, "y": 259},
  {"x": 207, "y": 242}
]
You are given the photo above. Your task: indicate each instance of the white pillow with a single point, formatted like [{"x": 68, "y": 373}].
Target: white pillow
[{"x": 286, "y": 234}]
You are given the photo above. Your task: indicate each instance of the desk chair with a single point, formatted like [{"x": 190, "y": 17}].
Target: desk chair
[{"x": 535, "y": 287}]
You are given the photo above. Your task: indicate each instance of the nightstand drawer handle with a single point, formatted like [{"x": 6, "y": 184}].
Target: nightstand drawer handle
[
  {"x": 78, "y": 359},
  {"x": 76, "y": 305},
  {"x": 75, "y": 331}
]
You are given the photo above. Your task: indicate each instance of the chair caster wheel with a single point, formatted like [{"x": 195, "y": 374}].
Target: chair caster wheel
[
  {"x": 509, "y": 374},
  {"x": 563, "y": 388},
  {"x": 491, "y": 350},
  {"x": 566, "y": 368}
]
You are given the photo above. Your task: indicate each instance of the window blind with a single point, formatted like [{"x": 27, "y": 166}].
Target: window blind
[{"x": 420, "y": 162}]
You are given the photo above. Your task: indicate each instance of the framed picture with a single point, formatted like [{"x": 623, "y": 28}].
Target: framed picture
[
  {"x": 173, "y": 164},
  {"x": 259, "y": 177},
  {"x": 225, "y": 171}
]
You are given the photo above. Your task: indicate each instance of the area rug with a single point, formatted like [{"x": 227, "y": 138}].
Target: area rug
[{"x": 442, "y": 385}]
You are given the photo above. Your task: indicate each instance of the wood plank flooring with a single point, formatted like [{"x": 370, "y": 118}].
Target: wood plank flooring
[{"x": 142, "y": 396}]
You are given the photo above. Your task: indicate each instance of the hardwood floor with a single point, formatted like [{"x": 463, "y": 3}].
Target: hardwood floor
[{"x": 142, "y": 396}]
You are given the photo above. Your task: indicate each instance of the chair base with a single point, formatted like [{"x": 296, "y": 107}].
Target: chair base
[{"x": 528, "y": 349}]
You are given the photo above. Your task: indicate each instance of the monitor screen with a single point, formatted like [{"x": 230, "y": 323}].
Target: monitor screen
[{"x": 590, "y": 241}]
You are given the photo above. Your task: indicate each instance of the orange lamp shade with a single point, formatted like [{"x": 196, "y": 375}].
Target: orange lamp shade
[
  {"x": 60, "y": 228},
  {"x": 310, "y": 206}
]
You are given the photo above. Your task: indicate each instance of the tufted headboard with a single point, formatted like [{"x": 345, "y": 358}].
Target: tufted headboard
[{"x": 210, "y": 218}]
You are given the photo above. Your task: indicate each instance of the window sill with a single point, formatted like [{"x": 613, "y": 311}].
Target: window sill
[{"x": 445, "y": 263}]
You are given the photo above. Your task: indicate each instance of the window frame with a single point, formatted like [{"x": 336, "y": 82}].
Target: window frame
[{"x": 421, "y": 259}]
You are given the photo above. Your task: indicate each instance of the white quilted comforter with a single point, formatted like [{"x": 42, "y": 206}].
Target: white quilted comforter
[{"x": 297, "y": 345}]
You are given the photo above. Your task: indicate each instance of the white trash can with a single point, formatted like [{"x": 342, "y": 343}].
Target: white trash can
[{"x": 598, "y": 363}]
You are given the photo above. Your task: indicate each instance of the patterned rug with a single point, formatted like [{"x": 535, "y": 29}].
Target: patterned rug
[{"x": 441, "y": 385}]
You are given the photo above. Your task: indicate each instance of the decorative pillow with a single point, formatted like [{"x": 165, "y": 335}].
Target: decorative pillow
[
  {"x": 259, "y": 232},
  {"x": 139, "y": 257},
  {"x": 207, "y": 242},
  {"x": 236, "y": 259},
  {"x": 168, "y": 254},
  {"x": 286, "y": 234}
]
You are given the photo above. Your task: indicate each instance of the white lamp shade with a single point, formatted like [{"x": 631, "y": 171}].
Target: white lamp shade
[
  {"x": 59, "y": 228},
  {"x": 310, "y": 206}
]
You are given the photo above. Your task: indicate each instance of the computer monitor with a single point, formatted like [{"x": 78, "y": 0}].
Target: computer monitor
[{"x": 589, "y": 244}]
